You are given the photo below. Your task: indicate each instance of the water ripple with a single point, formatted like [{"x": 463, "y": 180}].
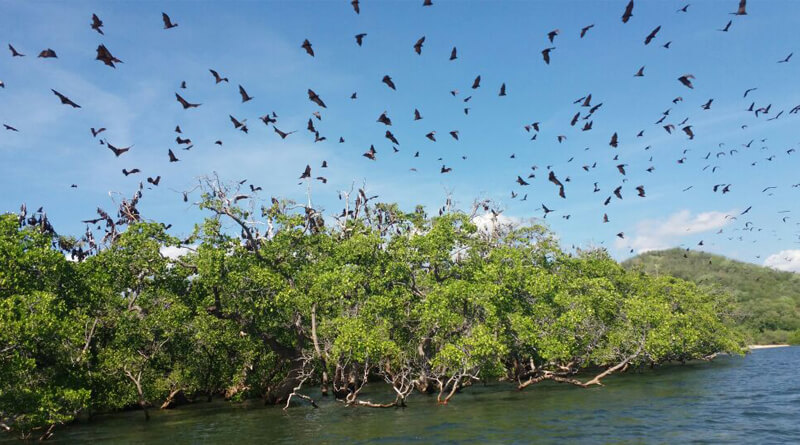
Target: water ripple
[{"x": 755, "y": 399}]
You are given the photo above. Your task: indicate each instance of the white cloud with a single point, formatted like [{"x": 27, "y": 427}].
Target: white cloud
[
  {"x": 656, "y": 234},
  {"x": 786, "y": 260},
  {"x": 174, "y": 252}
]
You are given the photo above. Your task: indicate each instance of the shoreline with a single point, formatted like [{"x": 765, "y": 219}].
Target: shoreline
[{"x": 753, "y": 347}]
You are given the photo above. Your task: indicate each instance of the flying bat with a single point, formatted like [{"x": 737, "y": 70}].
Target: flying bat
[
  {"x": 185, "y": 103},
  {"x": 65, "y": 100}
]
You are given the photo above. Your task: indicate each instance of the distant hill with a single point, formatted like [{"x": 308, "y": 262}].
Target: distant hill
[{"x": 768, "y": 301}]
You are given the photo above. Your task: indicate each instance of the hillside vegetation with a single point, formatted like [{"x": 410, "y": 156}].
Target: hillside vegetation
[{"x": 767, "y": 300}]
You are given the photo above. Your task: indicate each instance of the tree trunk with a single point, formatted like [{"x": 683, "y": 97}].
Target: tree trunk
[
  {"x": 175, "y": 398},
  {"x": 324, "y": 386},
  {"x": 143, "y": 404},
  {"x": 137, "y": 381}
]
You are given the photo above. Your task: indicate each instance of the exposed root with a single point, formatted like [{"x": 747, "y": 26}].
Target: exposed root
[
  {"x": 369, "y": 404},
  {"x": 546, "y": 375},
  {"x": 295, "y": 392},
  {"x": 47, "y": 434}
]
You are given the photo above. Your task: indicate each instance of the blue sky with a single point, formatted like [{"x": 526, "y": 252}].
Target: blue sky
[{"x": 257, "y": 45}]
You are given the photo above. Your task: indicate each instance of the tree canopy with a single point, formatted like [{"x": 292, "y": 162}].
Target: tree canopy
[{"x": 272, "y": 303}]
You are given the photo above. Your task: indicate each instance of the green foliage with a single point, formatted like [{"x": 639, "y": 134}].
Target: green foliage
[
  {"x": 422, "y": 303},
  {"x": 767, "y": 301},
  {"x": 42, "y": 363}
]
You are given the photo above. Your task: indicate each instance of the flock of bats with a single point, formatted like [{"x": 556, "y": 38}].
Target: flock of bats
[{"x": 584, "y": 116}]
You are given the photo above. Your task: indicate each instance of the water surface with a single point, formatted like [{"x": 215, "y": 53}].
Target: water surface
[{"x": 755, "y": 399}]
